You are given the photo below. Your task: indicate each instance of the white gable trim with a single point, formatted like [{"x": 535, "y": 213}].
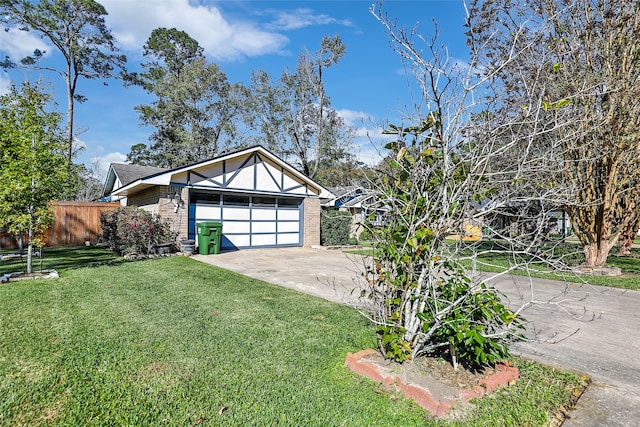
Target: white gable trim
[{"x": 254, "y": 170}]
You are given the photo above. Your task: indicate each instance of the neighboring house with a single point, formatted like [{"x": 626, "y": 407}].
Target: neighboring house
[
  {"x": 260, "y": 200},
  {"x": 363, "y": 204},
  {"x": 515, "y": 218}
]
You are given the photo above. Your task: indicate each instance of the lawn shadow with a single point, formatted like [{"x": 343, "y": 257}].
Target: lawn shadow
[{"x": 63, "y": 258}]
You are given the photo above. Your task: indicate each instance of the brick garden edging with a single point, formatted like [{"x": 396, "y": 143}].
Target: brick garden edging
[{"x": 505, "y": 375}]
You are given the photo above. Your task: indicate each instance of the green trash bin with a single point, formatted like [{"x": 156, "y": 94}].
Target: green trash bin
[{"x": 209, "y": 236}]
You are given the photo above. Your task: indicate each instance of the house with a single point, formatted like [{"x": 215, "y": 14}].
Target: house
[
  {"x": 363, "y": 205},
  {"x": 260, "y": 200},
  {"x": 121, "y": 174}
]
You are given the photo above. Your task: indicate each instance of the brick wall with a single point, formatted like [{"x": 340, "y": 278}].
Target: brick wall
[
  {"x": 173, "y": 208},
  {"x": 311, "y": 222},
  {"x": 169, "y": 203},
  {"x": 146, "y": 199}
]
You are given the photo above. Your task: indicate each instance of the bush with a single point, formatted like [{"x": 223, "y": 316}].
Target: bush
[
  {"x": 365, "y": 235},
  {"x": 130, "y": 229},
  {"x": 424, "y": 302},
  {"x": 335, "y": 227}
]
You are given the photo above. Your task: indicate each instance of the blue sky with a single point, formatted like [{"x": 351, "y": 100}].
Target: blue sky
[{"x": 368, "y": 87}]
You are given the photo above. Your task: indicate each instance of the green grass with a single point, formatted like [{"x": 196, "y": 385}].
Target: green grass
[
  {"x": 61, "y": 259},
  {"x": 497, "y": 262},
  {"x": 172, "y": 341}
]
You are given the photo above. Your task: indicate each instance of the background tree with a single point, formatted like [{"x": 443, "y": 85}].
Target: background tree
[
  {"x": 32, "y": 164},
  {"x": 87, "y": 182},
  {"x": 77, "y": 29},
  {"x": 582, "y": 61},
  {"x": 196, "y": 109},
  {"x": 168, "y": 50},
  {"x": 628, "y": 207},
  {"x": 294, "y": 117}
]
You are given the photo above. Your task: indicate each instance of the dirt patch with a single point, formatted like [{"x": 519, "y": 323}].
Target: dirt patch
[
  {"x": 155, "y": 369},
  {"x": 627, "y": 275},
  {"x": 432, "y": 383},
  {"x": 45, "y": 274},
  {"x": 429, "y": 369}
]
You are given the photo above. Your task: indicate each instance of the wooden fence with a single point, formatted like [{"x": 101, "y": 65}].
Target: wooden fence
[{"x": 75, "y": 223}]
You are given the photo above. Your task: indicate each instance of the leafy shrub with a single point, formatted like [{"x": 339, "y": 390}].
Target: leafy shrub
[
  {"x": 335, "y": 227},
  {"x": 424, "y": 301},
  {"x": 365, "y": 235},
  {"x": 130, "y": 229}
]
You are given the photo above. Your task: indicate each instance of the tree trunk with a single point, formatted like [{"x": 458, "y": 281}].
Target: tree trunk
[
  {"x": 30, "y": 252},
  {"x": 595, "y": 253},
  {"x": 627, "y": 236},
  {"x": 71, "y": 81}
]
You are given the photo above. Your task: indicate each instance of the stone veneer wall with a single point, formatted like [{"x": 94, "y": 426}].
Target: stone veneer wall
[
  {"x": 311, "y": 222},
  {"x": 158, "y": 200}
]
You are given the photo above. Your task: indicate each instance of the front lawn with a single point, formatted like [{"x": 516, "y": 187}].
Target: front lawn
[
  {"x": 172, "y": 341},
  {"x": 60, "y": 259},
  {"x": 501, "y": 259}
]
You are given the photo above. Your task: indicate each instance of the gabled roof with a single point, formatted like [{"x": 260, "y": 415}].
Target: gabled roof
[
  {"x": 218, "y": 172},
  {"x": 125, "y": 174},
  {"x": 349, "y": 197},
  {"x": 359, "y": 201}
]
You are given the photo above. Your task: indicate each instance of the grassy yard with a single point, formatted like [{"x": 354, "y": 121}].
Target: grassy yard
[
  {"x": 499, "y": 261},
  {"x": 61, "y": 259},
  {"x": 172, "y": 341}
]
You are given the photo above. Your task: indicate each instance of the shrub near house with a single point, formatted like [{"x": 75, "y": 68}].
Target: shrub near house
[
  {"x": 335, "y": 227},
  {"x": 131, "y": 230}
]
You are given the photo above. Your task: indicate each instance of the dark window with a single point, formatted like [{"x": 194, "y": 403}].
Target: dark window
[
  {"x": 263, "y": 201},
  {"x": 289, "y": 203},
  {"x": 231, "y": 200},
  {"x": 208, "y": 198}
]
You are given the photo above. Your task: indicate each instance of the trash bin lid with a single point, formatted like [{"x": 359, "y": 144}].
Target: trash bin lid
[{"x": 208, "y": 225}]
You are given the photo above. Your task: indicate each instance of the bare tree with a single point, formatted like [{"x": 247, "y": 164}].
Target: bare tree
[
  {"x": 463, "y": 162},
  {"x": 294, "y": 116},
  {"x": 582, "y": 59}
]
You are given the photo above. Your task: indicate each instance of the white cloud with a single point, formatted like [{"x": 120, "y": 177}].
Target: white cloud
[
  {"x": 5, "y": 83},
  {"x": 102, "y": 163},
  {"x": 79, "y": 145},
  {"x": 368, "y": 142},
  {"x": 17, "y": 44},
  {"x": 132, "y": 23},
  {"x": 301, "y": 18},
  {"x": 352, "y": 117}
]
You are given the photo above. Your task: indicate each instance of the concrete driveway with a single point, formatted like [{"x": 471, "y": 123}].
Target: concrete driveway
[
  {"x": 329, "y": 274},
  {"x": 589, "y": 330}
]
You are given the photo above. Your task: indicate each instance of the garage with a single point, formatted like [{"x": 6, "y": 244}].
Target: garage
[
  {"x": 249, "y": 221},
  {"x": 260, "y": 200}
]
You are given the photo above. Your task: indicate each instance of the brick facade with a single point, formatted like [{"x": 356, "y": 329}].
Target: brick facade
[
  {"x": 311, "y": 222},
  {"x": 171, "y": 204}
]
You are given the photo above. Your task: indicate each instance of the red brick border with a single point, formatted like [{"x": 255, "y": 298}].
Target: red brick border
[{"x": 505, "y": 375}]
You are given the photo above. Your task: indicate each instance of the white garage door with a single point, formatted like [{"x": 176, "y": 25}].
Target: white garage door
[{"x": 250, "y": 221}]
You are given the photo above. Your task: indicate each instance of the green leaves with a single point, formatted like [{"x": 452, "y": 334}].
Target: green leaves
[
  {"x": 546, "y": 106},
  {"x": 32, "y": 165},
  {"x": 393, "y": 345},
  {"x": 426, "y": 301}
]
